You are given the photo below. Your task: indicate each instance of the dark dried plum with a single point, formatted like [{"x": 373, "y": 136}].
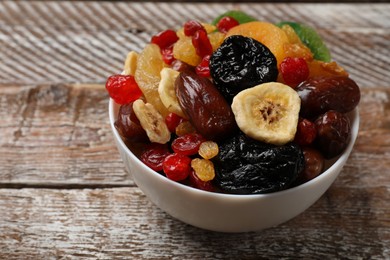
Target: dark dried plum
[
  {"x": 246, "y": 166},
  {"x": 241, "y": 62}
]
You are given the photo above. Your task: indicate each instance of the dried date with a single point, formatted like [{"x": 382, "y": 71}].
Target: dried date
[
  {"x": 129, "y": 126},
  {"x": 321, "y": 94},
  {"x": 333, "y": 133},
  {"x": 206, "y": 108}
]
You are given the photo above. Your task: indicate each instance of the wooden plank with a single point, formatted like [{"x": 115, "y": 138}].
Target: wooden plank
[
  {"x": 85, "y": 41},
  {"x": 58, "y": 134},
  {"x": 121, "y": 223}
]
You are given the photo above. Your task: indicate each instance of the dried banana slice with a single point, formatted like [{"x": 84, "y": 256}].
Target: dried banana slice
[
  {"x": 166, "y": 90},
  {"x": 268, "y": 112},
  {"x": 152, "y": 122},
  {"x": 130, "y": 63}
]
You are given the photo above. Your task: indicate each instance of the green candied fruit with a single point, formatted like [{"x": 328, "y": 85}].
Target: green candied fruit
[
  {"x": 311, "y": 39},
  {"x": 240, "y": 16}
]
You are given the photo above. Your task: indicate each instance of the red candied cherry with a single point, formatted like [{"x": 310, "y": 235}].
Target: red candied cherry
[
  {"x": 167, "y": 55},
  {"x": 165, "y": 39},
  {"x": 173, "y": 120},
  {"x": 154, "y": 156},
  {"x": 306, "y": 132},
  {"x": 191, "y": 27},
  {"x": 177, "y": 166},
  {"x": 226, "y": 23},
  {"x": 202, "y": 43},
  {"x": 187, "y": 144},
  {"x": 203, "y": 68},
  {"x": 199, "y": 184},
  {"x": 294, "y": 70},
  {"x": 123, "y": 89}
]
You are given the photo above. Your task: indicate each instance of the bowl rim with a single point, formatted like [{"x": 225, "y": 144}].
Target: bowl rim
[{"x": 338, "y": 161}]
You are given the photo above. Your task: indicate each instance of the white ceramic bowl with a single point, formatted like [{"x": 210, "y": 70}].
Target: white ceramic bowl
[{"x": 226, "y": 212}]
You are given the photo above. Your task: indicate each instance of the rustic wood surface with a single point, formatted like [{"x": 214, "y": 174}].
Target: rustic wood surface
[{"x": 64, "y": 193}]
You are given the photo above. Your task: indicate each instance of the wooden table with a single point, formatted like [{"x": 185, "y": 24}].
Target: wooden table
[{"x": 64, "y": 192}]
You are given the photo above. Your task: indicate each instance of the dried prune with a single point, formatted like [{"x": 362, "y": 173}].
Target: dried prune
[
  {"x": 241, "y": 62},
  {"x": 333, "y": 133},
  {"x": 320, "y": 94},
  {"x": 246, "y": 166}
]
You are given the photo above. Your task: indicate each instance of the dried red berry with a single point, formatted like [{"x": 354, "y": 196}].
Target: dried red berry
[
  {"x": 165, "y": 39},
  {"x": 226, "y": 23},
  {"x": 202, "y": 43},
  {"x": 294, "y": 71},
  {"x": 187, "y": 144},
  {"x": 306, "y": 132},
  {"x": 173, "y": 120},
  {"x": 177, "y": 167},
  {"x": 203, "y": 68},
  {"x": 167, "y": 55},
  {"x": 154, "y": 156},
  {"x": 199, "y": 184},
  {"x": 191, "y": 27},
  {"x": 123, "y": 89}
]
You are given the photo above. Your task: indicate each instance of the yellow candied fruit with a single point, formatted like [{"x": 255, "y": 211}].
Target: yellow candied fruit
[
  {"x": 147, "y": 76},
  {"x": 184, "y": 50},
  {"x": 321, "y": 68},
  {"x": 130, "y": 63},
  {"x": 216, "y": 39},
  {"x": 295, "y": 47},
  {"x": 203, "y": 168},
  {"x": 208, "y": 149},
  {"x": 209, "y": 27}
]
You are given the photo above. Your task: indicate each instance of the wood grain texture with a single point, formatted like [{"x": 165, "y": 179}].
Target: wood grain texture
[
  {"x": 57, "y": 135},
  {"x": 84, "y": 42},
  {"x": 120, "y": 223}
]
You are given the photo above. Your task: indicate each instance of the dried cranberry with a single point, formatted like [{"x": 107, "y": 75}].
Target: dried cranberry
[
  {"x": 123, "y": 89},
  {"x": 187, "y": 144},
  {"x": 191, "y": 27},
  {"x": 202, "y": 43},
  {"x": 165, "y": 39},
  {"x": 177, "y": 166},
  {"x": 172, "y": 120},
  {"x": 199, "y": 184},
  {"x": 203, "y": 68},
  {"x": 154, "y": 156},
  {"x": 294, "y": 71},
  {"x": 226, "y": 23},
  {"x": 306, "y": 132}
]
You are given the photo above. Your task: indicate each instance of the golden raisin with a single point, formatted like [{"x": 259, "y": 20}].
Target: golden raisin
[
  {"x": 208, "y": 149},
  {"x": 203, "y": 168},
  {"x": 184, "y": 127}
]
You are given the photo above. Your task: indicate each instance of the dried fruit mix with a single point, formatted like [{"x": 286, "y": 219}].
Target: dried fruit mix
[{"x": 236, "y": 106}]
